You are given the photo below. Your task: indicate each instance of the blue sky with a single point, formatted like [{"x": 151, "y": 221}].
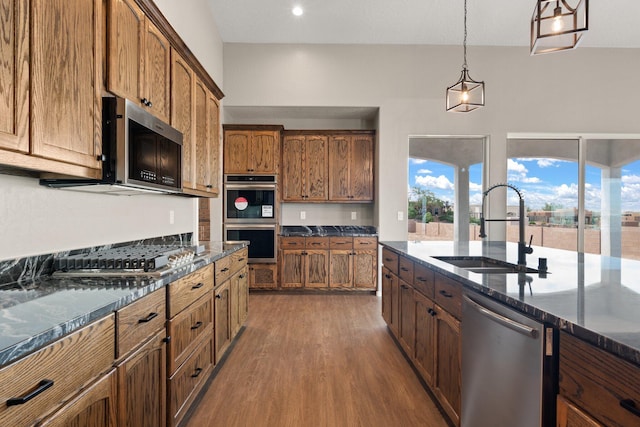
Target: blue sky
[{"x": 541, "y": 180}]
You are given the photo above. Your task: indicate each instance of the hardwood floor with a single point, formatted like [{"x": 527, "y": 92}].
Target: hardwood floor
[{"x": 315, "y": 360}]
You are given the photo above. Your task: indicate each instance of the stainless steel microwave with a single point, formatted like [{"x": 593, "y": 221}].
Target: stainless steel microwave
[{"x": 140, "y": 153}]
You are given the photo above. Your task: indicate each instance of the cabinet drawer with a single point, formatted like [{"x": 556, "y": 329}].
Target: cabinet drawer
[
  {"x": 65, "y": 366},
  {"x": 222, "y": 270},
  {"x": 239, "y": 259},
  {"x": 316, "y": 243},
  {"x": 369, "y": 243},
  {"x": 423, "y": 280},
  {"x": 139, "y": 320},
  {"x": 185, "y": 383},
  {"x": 292, "y": 243},
  {"x": 183, "y": 292},
  {"x": 406, "y": 269},
  {"x": 186, "y": 328},
  {"x": 448, "y": 295},
  {"x": 341, "y": 242},
  {"x": 598, "y": 382},
  {"x": 390, "y": 260}
]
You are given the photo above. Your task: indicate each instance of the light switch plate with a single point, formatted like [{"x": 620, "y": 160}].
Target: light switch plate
[
  {"x": 354, "y": 215},
  {"x": 400, "y": 216},
  {"x": 303, "y": 215}
]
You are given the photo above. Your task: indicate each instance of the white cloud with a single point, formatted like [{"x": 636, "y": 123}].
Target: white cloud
[
  {"x": 425, "y": 171},
  {"x": 417, "y": 161},
  {"x": 430, "y": 181},
  {"x": 514, "y": 166},
  {"x": 475, "y": 187},
  {"x": 547, "y": 163},
  {"x": 567, "y": 191},
  {"x": 631, "y": 179},
  {"x": 530, "y": 180}
]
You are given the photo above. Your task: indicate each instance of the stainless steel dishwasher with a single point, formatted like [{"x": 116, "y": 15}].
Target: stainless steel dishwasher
[{"x": 509, "y": 367}]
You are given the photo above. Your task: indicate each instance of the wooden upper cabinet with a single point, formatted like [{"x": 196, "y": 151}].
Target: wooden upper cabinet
[
  {"x": 66, "y": 81},
  {"x": 138, "y": 58},
  {"x": 251, "y": 150},
  {"x": 182, "y": 112},
  {"x": 195, "y": 112},
  {"x": 351, "y": 168},
  {"x": 14, "y": 75},
  {"x": 304, "y": 168}
]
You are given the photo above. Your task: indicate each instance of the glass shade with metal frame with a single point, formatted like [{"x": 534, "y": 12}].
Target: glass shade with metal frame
[
  {"x": 557, "y": 26},
  {"x": 466, "y": 94}
]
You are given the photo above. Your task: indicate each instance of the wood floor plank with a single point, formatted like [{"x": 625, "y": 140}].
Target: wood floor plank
[{"x": 315, "y": 360}]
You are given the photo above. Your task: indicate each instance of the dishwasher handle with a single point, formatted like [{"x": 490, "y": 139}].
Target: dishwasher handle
[{"x": 505, "y": 321}]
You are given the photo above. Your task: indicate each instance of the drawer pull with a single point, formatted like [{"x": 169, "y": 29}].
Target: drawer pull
[
  {"x": 388, "y": 259},
  {"x": 404, "y": 269},
  {"x": 422, "y": 279},
  {"x": 42, "y": 386},
  {"x": 242, "y": 276},
  {"x": 388, "y": 276},
  {"x": 198, "y": 286},
  {"x": 218, "y": 296},
  {"x": 630, "y": 406},
  {"x": 224, "y": 270},
  {"x": 432, "y": 312},
  {"x": 197, "y": 372},
  {"x": 446, "y": 294},
  {"x": 149, "y": 318},
  {"x": 240, "y": 259},
  {"x": 196, "y": 326}
]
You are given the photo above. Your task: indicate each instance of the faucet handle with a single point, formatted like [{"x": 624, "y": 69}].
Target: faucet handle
[{"x": 529, "y": 249}]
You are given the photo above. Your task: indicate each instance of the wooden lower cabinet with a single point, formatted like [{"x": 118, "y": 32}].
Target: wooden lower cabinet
[
  {"x": 292, "y": 268},
  {"x": 187, "y": 381},
  {"x": 448, "y": 380},
  {"x": 569, "y": 415},
  {"x": 365, "y": 269},
  {"x": 340, "y": 268},
  {"x": 407, "y": 327},
  {"x": 263, "y": 276},
  {"x": 222, "y": 326},
  {"x": 93, "y": 407},
  {"x": 238, "y": 304},
  {"x": 424, "y": 354},
  {"x": 316, "y": 268},
  {"x": 387, "y": 301}
]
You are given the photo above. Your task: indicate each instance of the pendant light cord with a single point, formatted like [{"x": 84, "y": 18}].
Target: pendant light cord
[{"x": 464, "y": 43}]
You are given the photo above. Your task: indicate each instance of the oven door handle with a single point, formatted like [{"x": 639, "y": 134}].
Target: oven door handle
[{"x": 250, "y": 187}]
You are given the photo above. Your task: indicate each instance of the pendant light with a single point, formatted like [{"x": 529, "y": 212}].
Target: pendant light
[
  {"x": 466, "y": 94},
  {"x": 557, "y": 25}
]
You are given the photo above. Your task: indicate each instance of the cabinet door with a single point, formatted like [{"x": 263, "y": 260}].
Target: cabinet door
[
  {"x": 448, "y": 366},
  {"x": 387, "y": 279},
  {"x": 315, "y": 168},
  {"x": 213, "y": 115},
  {"x": 14, "y": 75},
  {"x": 182, "y": 112},
  {"x": 292, "y": 268},
  {"x": 316, "y": 269},
  {"x": 243, "y": 295},
  {"x": 95, "y": 407},
  {"x": 126, "y": 43},
  {"x": 407, "y": 328},
  {"x": 222, "y": 327},
  {"x": 365, "y": 269},
  {"x": 236, "y": 151},
  {"x": 341, "y": 268},
  {"x": 361, "y": 168},
  {"x": 263, "y": 276},
  {"x": 264, "y": 152},
  {"x": 66, "y": 80},
  {"x": 339, "y": 161},
  {"x": 142, "y": 385},
  {"x": 395, "y": 305},
  {"x": 569, "y": 415},
  {"x": 234, "y": 304},
  {"x": 201, "y": 142},
  {"x": 424, "y": 354},
  {"x": 157, "y": 54},
  {"x": 293, "y": 185}
]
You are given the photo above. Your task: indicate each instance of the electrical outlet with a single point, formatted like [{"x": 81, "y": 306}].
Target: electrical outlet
[
  {"x": 172, "y": 217},
  {"x": 354, "y": 215},
  {"x": 400, "y": 216},
  {"x": 303, "y": 215}
]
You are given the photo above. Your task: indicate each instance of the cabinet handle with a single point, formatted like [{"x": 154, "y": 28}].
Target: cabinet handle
[
  {"x": 630, "y": 406},
  {"x": 146, "y": 102},
  {"x": 404, "y": 269},
  {"x": 446, "y": 294},
  {"x": 432, "y": 312},
  {"x": 241, "y": 276},
  {"x": 149, "y": 318},
  {"x": 197, "y": 372},
  {"x": 218, "y": 296},
  {"x": 240, "y": 259},
  {"x": 388, "y": 276},
  {"x": 404, "y": 286},
  {"x": 198, "y": 286},
  {"x": 388, "y": 259},
  {"x": 196, "y": 326},
  {"x": 422, "y": 279},
  {"x": 209, "y": 186},
  {"x": 42, "y": 386},
  {"x": 224, "y": 270},
  {"x": 166, "y": 339}
]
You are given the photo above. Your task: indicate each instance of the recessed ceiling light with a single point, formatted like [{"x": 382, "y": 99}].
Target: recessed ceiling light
[{"x": 297, "y": 11}]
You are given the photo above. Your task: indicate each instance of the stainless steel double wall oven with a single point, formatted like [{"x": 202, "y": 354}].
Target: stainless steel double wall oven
[{"x": 250, "y": 213}]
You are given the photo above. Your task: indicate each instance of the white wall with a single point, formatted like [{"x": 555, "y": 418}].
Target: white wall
[
  {"x": 36, "y": 220},
  {"x": 586, "y": 90}
]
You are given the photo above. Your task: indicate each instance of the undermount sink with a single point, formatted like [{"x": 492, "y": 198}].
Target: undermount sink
[{"x": 484, "y": 265}]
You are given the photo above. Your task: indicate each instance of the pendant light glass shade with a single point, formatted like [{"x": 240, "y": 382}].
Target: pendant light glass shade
[
  {"x": 466, "y": 94},
  {"x": 558, "y": 25}
]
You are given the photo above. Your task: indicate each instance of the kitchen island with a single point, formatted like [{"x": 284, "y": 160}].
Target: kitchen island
[{"x": 591, "y": 299}]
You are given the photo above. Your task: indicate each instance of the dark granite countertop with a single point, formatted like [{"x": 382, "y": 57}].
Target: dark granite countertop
[
  {"x": 593, "y": 297},
  {"x": 328, "y": 230},
  {"x": 36, "y": 312}
]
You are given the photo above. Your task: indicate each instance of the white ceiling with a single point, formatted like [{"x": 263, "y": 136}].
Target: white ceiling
[{"x": 612, "y": 23}]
